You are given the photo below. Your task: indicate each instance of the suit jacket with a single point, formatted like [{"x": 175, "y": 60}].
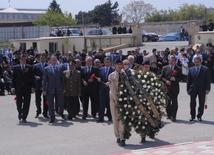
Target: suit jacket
[
  {"x": 92, "y": 86},
  {"x": 139, "y": 59},
  {"x": 53, "y": 83},
  {"x": 104, "y": 78},
  {"x": 73, "y": 83},
  {"x": 167, "y": 74},
  {"x": 198, "y": 84},
  {"x": 23, "y": 81},
  {"x": 113, "y": 57},
  {"x": 38, "y": 71}
]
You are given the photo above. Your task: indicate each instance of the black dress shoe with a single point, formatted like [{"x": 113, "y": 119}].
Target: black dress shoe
[
  {"x": 122, "y": 143},
  {"x": 199, "y": 119},
  {"x": 37, "y": 115},
  {"x": 70, "y": 118},
  {"x": 191, "y": 119},
  {"x": 98, "y": 121},
  {"x": 19, "y": 116},
  {"x": 63, "y": 116},
  {"x": 118, "y": 140},
  {"x": 51, "y": 121},
  {"x": 46, "y": 116},
  {"x": 168, "y": 118},
  {"x": 94, "y": 116},
  {"x": 24, "y": 121},
  {"x": 83, "y": 117},
  {"x": 173, "y": 119},
  {"x": 143, "y": 140},
  {"x": 109, "y": 119}
]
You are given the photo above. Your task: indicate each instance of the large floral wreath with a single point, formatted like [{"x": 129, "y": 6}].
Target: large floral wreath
[{"x": 130, "y": 114}]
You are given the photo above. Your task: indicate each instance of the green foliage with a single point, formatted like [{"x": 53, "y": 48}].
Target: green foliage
[
  {"x": 6, "y": 43},
  {"x": 105, "y": 14},
  {"x": 56, "y": 19},
  {"x": 184, "y": 12},
  {"x": 54, "y": 7}
]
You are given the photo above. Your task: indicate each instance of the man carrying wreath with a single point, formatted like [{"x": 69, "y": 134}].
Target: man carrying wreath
[{"x": 171, "y": 75}]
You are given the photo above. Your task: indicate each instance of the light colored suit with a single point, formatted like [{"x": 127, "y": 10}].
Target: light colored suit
[
  {"x": 54, "y": 85},
  {"x": 118, "y": 126}
]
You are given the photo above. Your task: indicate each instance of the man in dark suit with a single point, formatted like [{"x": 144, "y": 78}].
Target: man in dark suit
[
  {"x": 208, "y": 61},
  {"x": 198, "y": 84},
  {"x": 121, "y": 56},
  {"x": 131, "y": 61},
  {"x": 211, "y": 25},
  {"x": 38, "y": 73},
  {"x": 104, "y": 90},
  {"x": 23, "y": 85},
  {"x": 114, "y": 30},
  {"x": 91, "y": 88},
  {"x": 53, "y": 86},
  {"x": 171, "y": 75},
  {"x": 182, "y": 31}
]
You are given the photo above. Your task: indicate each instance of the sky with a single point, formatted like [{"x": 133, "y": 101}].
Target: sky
[{"x": 74, "y": 6}]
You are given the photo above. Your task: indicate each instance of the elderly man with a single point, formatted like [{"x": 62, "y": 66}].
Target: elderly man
[
  {"x": 131, "y": 61},
  {"x": 91, "y": 88}
]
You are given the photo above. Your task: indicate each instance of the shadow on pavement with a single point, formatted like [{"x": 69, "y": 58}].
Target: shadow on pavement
[{"x": 30, "y": 124}]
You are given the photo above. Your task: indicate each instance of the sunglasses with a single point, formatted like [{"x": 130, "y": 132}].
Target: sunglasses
[
  {"x": 97, "y": 62},
  {"x": 126, "y": 64}
]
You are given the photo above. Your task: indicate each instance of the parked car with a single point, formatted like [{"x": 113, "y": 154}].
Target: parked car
[
  {"x": 75, "y": 32},
  {"x": 99, "y": 32},
  {"x": 149, "y": 36},
  {"x": 174, "y": 36},
  {"x": 160, "y": 37}
]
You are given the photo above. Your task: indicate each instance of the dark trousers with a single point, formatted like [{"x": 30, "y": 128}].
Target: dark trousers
[
  {"x": 104, "y": 103},
  {"x": 172, "y": 106},
  {"x": 72, "y": 105},
  {"x": 23, "y": 103},
  {"x": 59, "y": 98},
  {"x": 201, "y": 98},
  {"x": 38, "y": 94},
  {"x": 94, "y": 96}
]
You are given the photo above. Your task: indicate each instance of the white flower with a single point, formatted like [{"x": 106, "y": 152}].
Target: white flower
[
  {"x": 121, "y": 85},
  {"x": 161, "y": 93},
  {"x": 130, "y": 123},
  {"x": 133, "y": 73},
  {"x": 155, "y": 98},
  {"x": 129, "y": 106},
  {"x": 147, "y": 73},
  {"x": 159, "y": 90},
  {"x": 148, "y": 82},
  {"x": 141, "y": 100},
  {"x": 156, "y": 94},
  {"x": 152, "y": 84},
  {"x": 131, "y": 98},
  {"x": 151, "y": 93},
  {"x": 138, "y": 111},
  {"x": 120, "y": 99},
  {"x": 120, "y": 92},
  {"x": 145, "y": 123},
  {"x": 149, "y": 87},
  {"x": 136, "y": 127},
  {"x": 145, "y": 76},
  {"x": 140, "y": 95},
  {"x": 158, "y": 102},
  {"x": 132, "y": 119},
  {"x": 159, "y": 85},
  {"x": 124, "y": 117},
  {"x": 156, "y": 84},
  {"x": 144, "y": 99},
  {"x": 156, "y": 89},
  {"x": 155, "y": 78},
  {"x": 135, "y": 107},
  {"x": 143, "y": 81},
  {"x": 152, "y": 79},
  {"x": 139, "y": 123},
  {"x": 139, "y": 76},
  {"x": 149, "y": 108},
  {"x": 125, "y": 105},
  {"x": 125, "y": 90},
  {"x": 143, "y": 127},
  {"x": 127, "y": 112},
  {"x": 125, "y": 99},
  {"x": 133, "y": 113},
  {"x": 144, "y": 86},
  {"x": 139, "y": 117},
  {"x": 140, "y": 71},
  {"x": 159, "y": 96},
  {"x": 121, "y": 109},
  {"x": 132, "y": 86}
]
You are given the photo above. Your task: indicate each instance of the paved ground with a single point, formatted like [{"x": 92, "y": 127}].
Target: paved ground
[{"x": 80, "y": 137}]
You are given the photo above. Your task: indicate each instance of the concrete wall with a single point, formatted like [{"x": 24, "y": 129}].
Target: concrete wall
[{"x": 204, "y": 38}]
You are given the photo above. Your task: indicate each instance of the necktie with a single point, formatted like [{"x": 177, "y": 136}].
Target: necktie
[
  {"x": 10, "y": 62},
  {"x": 54, "y": 67},
  {"x": 171, "y": 68},
  {"x": 71, "y": 73},
  {"x": 89, "y": 69},
  {"x": 106, "y": 72},
  {"x": 23, "y": 69},
  {"x": 43, "y": 66},
  {"x": 197, "y": 71}
]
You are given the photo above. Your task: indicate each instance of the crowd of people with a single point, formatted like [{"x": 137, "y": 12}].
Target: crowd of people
[{"x": 67, "y": 81}]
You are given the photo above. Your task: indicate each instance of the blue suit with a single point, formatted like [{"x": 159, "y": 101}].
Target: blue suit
[{"x": 104, "y": 93}]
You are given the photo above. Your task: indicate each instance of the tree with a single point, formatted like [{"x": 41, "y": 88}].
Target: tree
[
  {"x": 105, "y": 14},
  {"x": 56, "y": 19},
  {"x": 184, "y": 12},
  {"x": 54, "y": 7},
  {"x": 136, "y": 11}
]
